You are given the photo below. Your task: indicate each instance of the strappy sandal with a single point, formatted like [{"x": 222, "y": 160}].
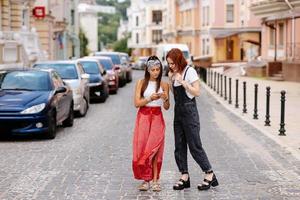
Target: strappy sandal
[
  {"x": 156, "y": 187},
  {"x": 181, "y": 184},
  {"x": 144, "y": 186},
  {"x": 206, "y": 183}
]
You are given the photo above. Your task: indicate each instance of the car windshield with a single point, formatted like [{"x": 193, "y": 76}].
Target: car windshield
[
  {"x": 106, "y": 64},
  {"x": 90, "y": 67},
  {"x": 114, "y": 57},
  {"x": 186, "y": 54},
  {"x": 66, "y": 71},
  {"x": 25, "y": 80}
]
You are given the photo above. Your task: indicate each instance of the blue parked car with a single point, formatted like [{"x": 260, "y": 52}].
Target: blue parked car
[{"x": 34, "y": 101}]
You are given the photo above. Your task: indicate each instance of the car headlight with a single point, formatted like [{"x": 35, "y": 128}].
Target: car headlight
[
  {"x": 94, "y": 84},
  {"x": 34, "y": 109},
  {"x": 112, "y": 78}
]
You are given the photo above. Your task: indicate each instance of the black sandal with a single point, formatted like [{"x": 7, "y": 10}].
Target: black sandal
[
  {"x": 181, "y": 184},
  {"x": 214, "y": 182}
]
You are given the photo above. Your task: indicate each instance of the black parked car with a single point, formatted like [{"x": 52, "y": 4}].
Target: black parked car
[
  {"x": 126, "y": 62},
  {"x": 34, "y": 101},
  {"x": 98, "y": 81},
  {"x": 116, "y": 59}
]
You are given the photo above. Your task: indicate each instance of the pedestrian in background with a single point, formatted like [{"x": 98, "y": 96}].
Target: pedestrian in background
[
  {"x": 148, "y": 142},
  {"x": 184, "y": 82}
]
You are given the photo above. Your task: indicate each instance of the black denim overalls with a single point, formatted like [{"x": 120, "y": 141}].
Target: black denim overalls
[{"x": 186, "y": 129}]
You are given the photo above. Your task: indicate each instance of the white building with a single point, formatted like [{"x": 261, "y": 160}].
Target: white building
[
  {"x": 88, "y": 19},
  {"x": 123, "y": 29},
  {"x": 145, "y": 23}
]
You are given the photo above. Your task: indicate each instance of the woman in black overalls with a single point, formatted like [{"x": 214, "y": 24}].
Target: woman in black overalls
[{"x": 186, "y": 121}]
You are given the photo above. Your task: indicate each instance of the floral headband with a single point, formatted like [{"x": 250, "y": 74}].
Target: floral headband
[{"x": 152, "y": 63}]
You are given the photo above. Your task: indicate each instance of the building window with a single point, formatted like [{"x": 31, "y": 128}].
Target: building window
[
  {"x": 281, "y": 34},
  {"x": 157, "y": 16},
  {"x": 25, "y": 18},
  {"x": 137, "y": 38},
  {"x": 229, "y": 13},
  {"x": 272, "y": 36},
  {"x": 207, "y": 46},
  {"x": 203, "y": 47},
  {"x": 207, "y": 15},
  {"x": 156, "y": 36},
  {"x": 72, "y": 17},
  {"x": 136, "y": 21}
]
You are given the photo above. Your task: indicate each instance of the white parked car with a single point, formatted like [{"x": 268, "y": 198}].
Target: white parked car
[{"x": 71, "y": 71}]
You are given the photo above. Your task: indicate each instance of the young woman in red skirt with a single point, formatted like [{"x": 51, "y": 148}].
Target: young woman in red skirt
[{"x": 148, "y": 142}]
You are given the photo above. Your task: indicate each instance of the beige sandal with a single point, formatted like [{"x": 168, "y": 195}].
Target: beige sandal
[
  {"x": 144, "y": 186},
  {"x": 156, "y": 187}
]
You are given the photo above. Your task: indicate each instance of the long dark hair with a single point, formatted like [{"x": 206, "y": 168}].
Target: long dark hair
[{"x": 147, "y": 76}]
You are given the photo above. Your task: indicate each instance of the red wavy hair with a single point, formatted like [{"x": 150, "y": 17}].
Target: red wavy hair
[{"x": 178, "y": 58}]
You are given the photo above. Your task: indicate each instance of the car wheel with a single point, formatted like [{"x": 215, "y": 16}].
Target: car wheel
[
  {"x": 51, "y": 132},
  {"x": 84, "y": 109},
  {"x": 69, "y": 121}
]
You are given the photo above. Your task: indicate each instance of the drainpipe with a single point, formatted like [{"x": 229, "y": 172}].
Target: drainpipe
[
  {"x": 293, "y": 27},
  {"x": 275, "y": 30}
]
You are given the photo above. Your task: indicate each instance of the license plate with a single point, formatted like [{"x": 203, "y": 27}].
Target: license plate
[{"x": 98, "y": 93}]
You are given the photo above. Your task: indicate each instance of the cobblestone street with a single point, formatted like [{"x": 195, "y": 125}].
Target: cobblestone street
[{"x": 92, "y": 159}]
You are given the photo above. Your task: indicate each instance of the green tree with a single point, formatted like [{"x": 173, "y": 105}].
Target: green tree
[
  {"x": 83, "y": 44},
  {"x": 109, "y": 23},
  {"x": 121, "y": 45}
]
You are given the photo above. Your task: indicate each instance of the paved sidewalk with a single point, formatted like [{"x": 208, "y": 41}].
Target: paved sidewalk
[{"x": 292, "y": 107}]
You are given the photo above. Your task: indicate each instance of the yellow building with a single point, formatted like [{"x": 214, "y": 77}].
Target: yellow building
[{"x": 19, "y": 43}]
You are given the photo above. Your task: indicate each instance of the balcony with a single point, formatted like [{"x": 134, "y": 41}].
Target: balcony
[
  {"x": 275, "y": 9},
  {"x": 20, "y": 48}
]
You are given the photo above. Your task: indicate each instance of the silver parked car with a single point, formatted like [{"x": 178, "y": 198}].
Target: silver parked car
[{"x": 71, "y": 71}]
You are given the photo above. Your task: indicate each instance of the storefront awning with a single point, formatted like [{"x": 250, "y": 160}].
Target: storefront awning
[{"x": 226, "y": 32}]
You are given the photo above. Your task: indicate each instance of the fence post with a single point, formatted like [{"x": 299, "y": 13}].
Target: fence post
[
  {"x": 255, "y": 115},
  {"x": 245, "y": 96},
  {"x": 237, "y": 93},
  {"x": 221, "y": 86},
  {"x": 267, "y": 121},
  {"x": 282, "y": 124},
  {"x": 230, "y": 99},
  {"x": 215, "y": 76},
  {"x": 225, "y": 88},
  {"x": 218, "y": 83}
]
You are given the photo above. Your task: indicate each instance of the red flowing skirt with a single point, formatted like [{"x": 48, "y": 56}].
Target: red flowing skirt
[{"x": 148, "y": 141}]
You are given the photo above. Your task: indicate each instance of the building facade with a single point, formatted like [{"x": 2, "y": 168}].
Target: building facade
[
  {"x": 229, "y": 33},
  {"x": 19, "y": 42},
  {"x": 58, "y": 29},
  {"x": 145, "y": 20},
  {"x": 280, "y": 37},
  {"x": 88, "y": 20}
]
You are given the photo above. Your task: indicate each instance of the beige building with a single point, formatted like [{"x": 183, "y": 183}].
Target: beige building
[
  {"x": 280, "y": 37},
  {"x": 216, "y": 31},
  {"x": 19, "y": 42},
  {"x": 59, "y": 28}
]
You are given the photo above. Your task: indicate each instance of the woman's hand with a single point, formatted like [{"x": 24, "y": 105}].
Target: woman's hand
[{"x": 155, "y": 96}]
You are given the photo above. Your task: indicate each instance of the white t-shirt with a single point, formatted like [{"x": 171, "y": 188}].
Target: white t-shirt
[{"x": 190, "y": 77}]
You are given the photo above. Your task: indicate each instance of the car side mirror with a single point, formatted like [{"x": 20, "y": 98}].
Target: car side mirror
[
  {"x": 60, "y": 90},
  {"x": 85, "y": 76}
]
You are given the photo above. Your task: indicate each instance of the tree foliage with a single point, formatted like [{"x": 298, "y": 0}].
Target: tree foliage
[
  {"x": 109, "y": 23},
  {"x": 83, "y": 44}
]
